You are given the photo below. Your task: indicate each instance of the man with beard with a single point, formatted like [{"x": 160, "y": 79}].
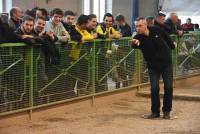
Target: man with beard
[{"x": 68, "y": 23}]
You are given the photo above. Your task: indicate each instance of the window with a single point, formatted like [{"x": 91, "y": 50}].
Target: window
[
  {"x": 98, "y": 7},
  {"x": 102, "y": 6},
  {"x": 1, "y": 6},
  {"x": 109, "y": 6},
  {"x": 8, "y": 4},
  {"x": 86, "y": 7},
  {"x": 5, "y": 5}
]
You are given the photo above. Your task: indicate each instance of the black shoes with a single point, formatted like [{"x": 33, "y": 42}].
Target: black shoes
[
  {"x": 152, "y": 116},
  {"x": 166, "y": 115}
]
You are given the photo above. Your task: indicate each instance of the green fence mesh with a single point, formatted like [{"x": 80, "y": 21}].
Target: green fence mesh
[
  {"x": 14, "y": 93},
  {"x": 27, "y": 79},
  {"x": 188, "y": 55}
]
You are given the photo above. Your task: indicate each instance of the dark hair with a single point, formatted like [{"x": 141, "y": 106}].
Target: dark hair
[
  {"x": 44, "y": 11},
  {"x": 56, "y": 11},
  {"x": 30, "y": 12},
  {"x": 119, "y": 18},
  {"x": 27, "y": 18},
  {"x": 149, "y": 18},
  {"x": 189, "y": 19},
  {"x": 69, "y": 12},
  {"x": 107, "y": 15},
  {"x": 40, "y": 17},
  {"x": 82, "y": 19},
  {"x": 91, "y": 16},
  {"x": 12, "y": 11}
]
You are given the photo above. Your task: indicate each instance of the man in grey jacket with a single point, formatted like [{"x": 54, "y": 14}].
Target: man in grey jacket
[
  {"x": 54, "y": 25},
  {"x": 15, "y": 18}
]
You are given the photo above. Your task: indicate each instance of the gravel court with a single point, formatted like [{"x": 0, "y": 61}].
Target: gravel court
[{"x": 119, "y": 117}]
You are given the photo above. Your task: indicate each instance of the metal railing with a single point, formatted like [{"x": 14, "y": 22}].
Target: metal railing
[{"x": 28, "y": 81}]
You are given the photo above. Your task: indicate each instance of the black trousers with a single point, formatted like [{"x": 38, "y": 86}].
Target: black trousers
[{"x": 167, "y": 75}]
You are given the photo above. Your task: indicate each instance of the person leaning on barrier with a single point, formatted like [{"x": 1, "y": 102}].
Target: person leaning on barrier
[
  {"x": 171, "y": 24},
  {"x": 83, "y": 48},
  {"x": 81, "y": 27},
  {"x": 47, "y": 40},
  {"x": 121, "y": 75},
  {"x": 92, "y": 26},
  {"x": 155, "y": 45},
  {"x": 160, "y": 21},
  {"x": 122, "y": 26},
  {"x": 6, "y": 33},
  {"x": 54, "y": 25},
  {"x": 25, "y": 31},
  {"x": 106, "y": 28},
  {"x": 101, "y": 60},
  {"x": 68, "y": 23}
]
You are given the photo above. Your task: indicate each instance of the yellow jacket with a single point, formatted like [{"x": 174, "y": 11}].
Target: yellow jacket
[
  {"x": 85, "y": 34},
  {"x": 107, "y": 31}
]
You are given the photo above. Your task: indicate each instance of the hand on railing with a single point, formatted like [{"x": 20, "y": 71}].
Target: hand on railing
[
  {"x": 135, "y": 42},
  {"x": 27, "y": 36},
  {"x": 175, "y": 44}
]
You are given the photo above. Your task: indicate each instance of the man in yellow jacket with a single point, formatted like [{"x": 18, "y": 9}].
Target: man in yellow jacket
[
  {"x": 81, "y": 27},
  {"x": 106, "y": 28}
]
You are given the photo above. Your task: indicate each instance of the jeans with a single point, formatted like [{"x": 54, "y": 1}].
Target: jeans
[{"x": 167, "y": 75}]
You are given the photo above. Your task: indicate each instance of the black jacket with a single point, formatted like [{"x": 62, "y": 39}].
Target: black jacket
[
  {"x": 156, "y": 48},
  {"x": 6, "y": 34},
  {"x": 163, "y": 27},
  {"x": 49, "y": 48},
  {"x": 172, "y": 29},
  {"x": 30, "y": 41},
  {"x": 125, "y": 30},
  {"x": 74, "y": 34}
]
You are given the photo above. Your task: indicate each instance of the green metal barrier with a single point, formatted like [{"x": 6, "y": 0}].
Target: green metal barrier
[
  {"x": 188, "y": 54},
  {"x": 14, "y": 77},
  {"x": 28, "y": 81}
]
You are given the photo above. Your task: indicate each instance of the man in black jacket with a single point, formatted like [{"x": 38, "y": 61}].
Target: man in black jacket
[
  {"x": 155, "y": 45},
  {"x": 6, "y": 33},
  {"x": 160, "y": 22},
  {"x": 24, "y": 33},
  {"x": 171, "y": 24},
  {"x": 122, "y": 26},
  {"x": 68, "y": 21},
  {"x": 47, "y": 39}
]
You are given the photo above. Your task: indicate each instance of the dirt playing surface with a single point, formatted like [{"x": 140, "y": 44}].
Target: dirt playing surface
[{"x": 119, "y": 117}]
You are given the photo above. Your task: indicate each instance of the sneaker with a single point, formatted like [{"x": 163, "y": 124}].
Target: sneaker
[
  {"x": 166, "y": 115},
  {"x": 151, "y": 116}
]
